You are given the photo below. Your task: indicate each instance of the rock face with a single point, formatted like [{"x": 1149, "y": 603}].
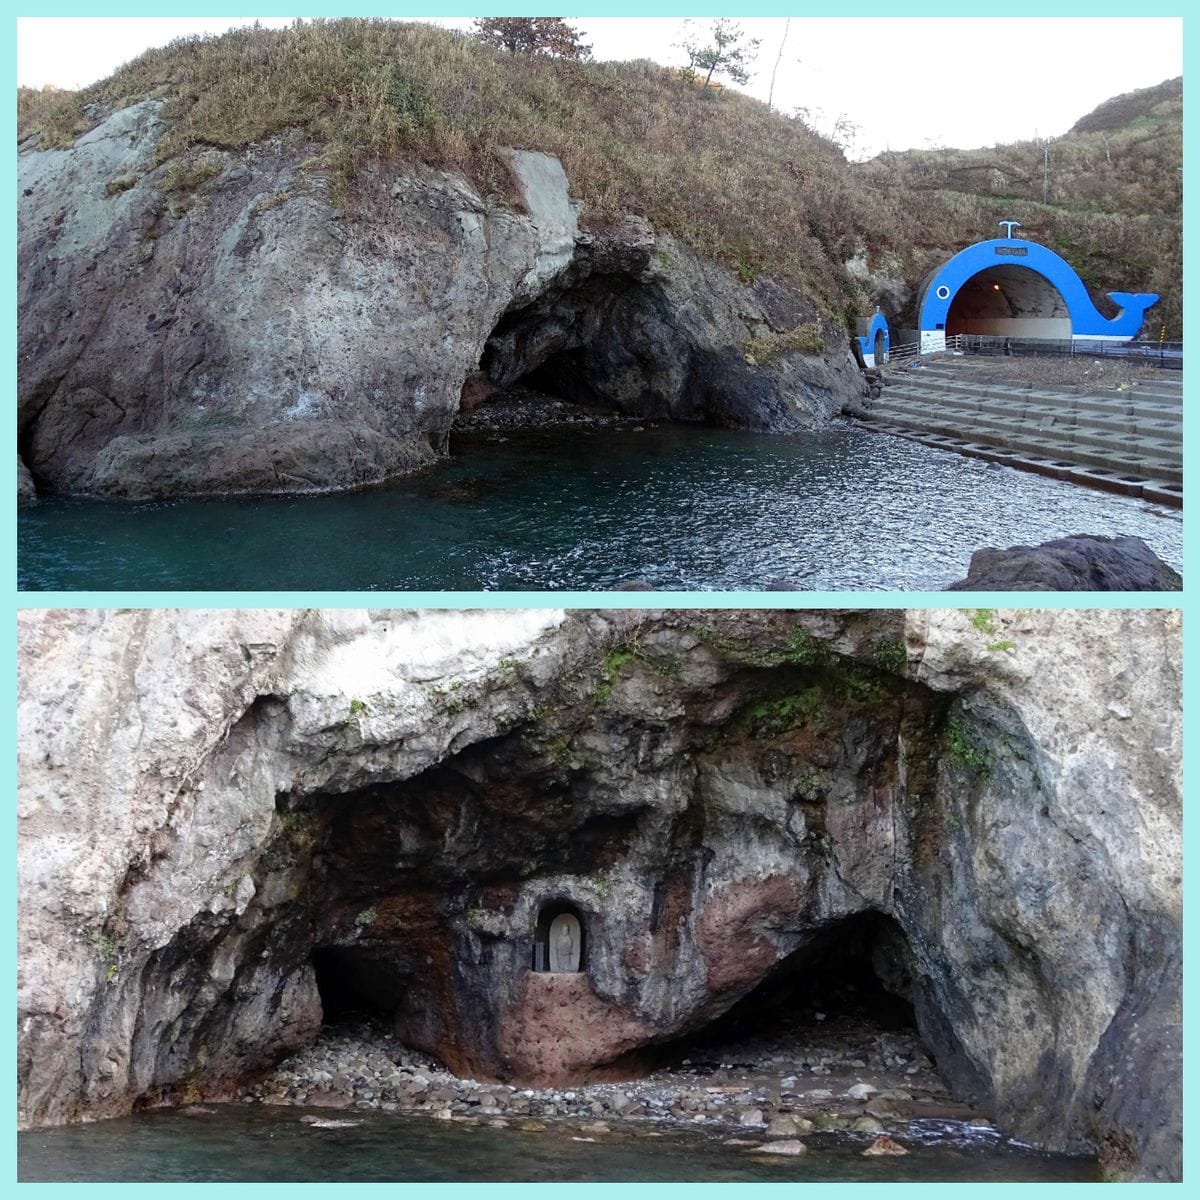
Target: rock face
[
  {"x": 233, "y": 821},
  {"x": 26, "y": 489},
  {"x": 1080, "y": 563},
  {"x": 216, "y": 323}
]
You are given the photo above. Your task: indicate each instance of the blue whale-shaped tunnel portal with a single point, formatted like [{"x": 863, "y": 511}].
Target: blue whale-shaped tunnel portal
[
  {"x": 1010, "y": 287},
  {"x": 876, "y": 342}
]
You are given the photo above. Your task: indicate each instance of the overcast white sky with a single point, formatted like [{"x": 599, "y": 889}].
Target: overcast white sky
[{"x": 904, "y": 82}]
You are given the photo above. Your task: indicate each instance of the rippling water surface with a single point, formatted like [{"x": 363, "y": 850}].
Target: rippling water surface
[
  {"x": 270, "y": 1144},
  {"x": 678, "y": 508}
]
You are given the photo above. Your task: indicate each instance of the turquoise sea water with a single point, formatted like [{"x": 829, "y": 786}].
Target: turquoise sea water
[
  {"x": 569, "y": 509},
  {"x": 252, "y": 1143}
]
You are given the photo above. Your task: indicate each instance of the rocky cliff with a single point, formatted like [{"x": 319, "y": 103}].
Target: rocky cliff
[
  {"x": 227, "y": 818},
  {"x": 215, "y": 322}
]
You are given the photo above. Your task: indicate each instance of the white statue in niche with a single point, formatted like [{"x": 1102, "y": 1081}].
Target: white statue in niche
[{"x": 566, "y": 942}]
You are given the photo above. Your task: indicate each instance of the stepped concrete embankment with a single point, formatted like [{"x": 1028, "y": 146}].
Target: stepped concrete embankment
[{"x": 1122, "y": 439}]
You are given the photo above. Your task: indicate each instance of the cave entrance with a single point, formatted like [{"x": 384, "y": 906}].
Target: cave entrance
[
  {"x": 842, "y": 997},
  {"x": 354, "y": 985},
  {"x": 852, "y": 974},
  {"x": 525, "y": 372},
  {"x": 564, "y": 352},
  {"x": 560, "y": 940}
]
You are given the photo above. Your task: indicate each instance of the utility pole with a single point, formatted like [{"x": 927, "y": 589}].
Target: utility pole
[{"x": 778, "y": 57}]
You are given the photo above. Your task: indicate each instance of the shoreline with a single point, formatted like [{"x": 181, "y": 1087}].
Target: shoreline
[{"x": 852, "y": 1078}]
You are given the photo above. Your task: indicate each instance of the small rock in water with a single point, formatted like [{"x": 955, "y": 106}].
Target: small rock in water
[
  {"x": 860, "y": 1091},
  {"x": 781, "y": 1126},
  {"x": 866, "y": 1125},
  {"x": 197, "y": 1110},
  {"x": 752, "y": 1116},
  {"x": 883, "y": 1145},
  {"x": 879, "y": 1108},
  {"x": 327, "y": 1122},
  {"x": 792, "y": 1146}
]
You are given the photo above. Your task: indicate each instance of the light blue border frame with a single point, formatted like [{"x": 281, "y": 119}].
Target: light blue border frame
[{"x": 1027, "y": 9}]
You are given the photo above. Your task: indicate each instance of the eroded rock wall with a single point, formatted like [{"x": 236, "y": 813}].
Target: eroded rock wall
[
  {"x": 233, "y": 799},
  {"x": 217, "y": 323}
]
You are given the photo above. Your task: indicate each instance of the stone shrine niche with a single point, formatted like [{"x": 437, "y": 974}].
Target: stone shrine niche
[{"x": 559, "y": 943}]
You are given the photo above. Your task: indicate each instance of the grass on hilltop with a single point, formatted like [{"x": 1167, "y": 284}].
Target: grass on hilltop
[
  {"x": 732, "y": 178},
  {"x": 759, "y": 191}
]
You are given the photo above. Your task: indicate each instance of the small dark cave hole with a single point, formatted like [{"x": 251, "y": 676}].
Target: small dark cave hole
[{"x": 355, "y": 987}]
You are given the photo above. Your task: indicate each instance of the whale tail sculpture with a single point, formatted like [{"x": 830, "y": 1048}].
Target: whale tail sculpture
[{"x": 1133, "y": 306}]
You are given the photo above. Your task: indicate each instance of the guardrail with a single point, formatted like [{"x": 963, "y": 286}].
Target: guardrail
[{"x": 1168, "y": 355}]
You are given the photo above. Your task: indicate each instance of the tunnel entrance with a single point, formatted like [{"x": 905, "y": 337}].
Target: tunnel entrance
[{"x": 1009, "y": 301}]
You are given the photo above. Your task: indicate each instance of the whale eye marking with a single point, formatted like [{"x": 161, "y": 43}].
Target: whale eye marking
[{"x": 943, "y": 293}]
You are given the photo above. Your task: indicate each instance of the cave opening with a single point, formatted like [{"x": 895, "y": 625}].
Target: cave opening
[
  {"x": 533, "y": 363},
  {"x": 577, "y": 353},
  {"x": 841, "y": 998},
  {"x": 355, "y": 985},
  {"x": 851, "y": 973}
]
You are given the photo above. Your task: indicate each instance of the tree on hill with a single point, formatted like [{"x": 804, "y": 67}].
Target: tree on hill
[
  {"x": 532, "y": 35},
  {"x": 725, "y": 51}
]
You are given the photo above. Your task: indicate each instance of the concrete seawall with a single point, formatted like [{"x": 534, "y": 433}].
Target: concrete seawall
[{"x": 1122, "y": 440}]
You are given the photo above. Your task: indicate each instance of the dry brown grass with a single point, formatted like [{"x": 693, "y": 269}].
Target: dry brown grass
[
  {"x": 1067, "y": 371},
  {"x": 758, "y": 191}
]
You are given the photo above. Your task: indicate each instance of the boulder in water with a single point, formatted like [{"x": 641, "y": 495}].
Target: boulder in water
[{"x": 1080, "y": 563}]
